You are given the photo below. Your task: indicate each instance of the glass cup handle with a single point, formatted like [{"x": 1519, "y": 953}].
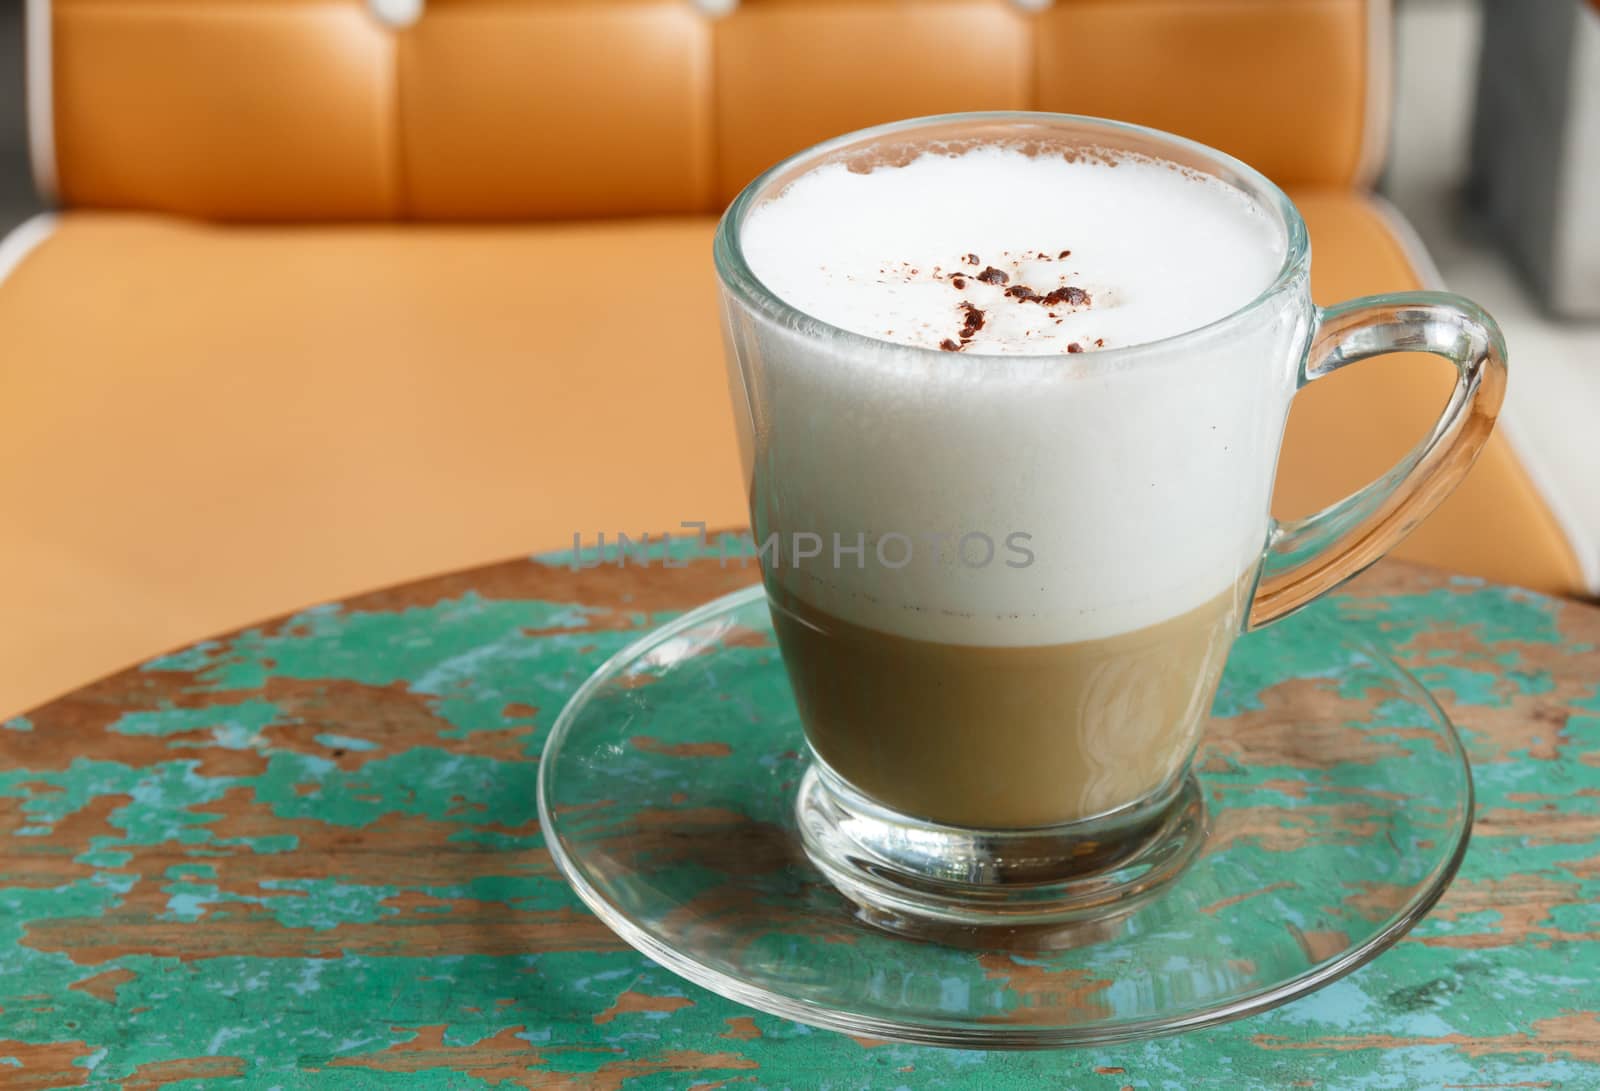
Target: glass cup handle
[{"x": 1307, "y": 557}]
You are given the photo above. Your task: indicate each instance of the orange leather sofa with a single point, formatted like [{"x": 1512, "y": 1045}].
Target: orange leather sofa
[{"x": 340, "y": 295}]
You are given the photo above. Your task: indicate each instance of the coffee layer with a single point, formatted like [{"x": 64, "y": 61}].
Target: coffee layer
[{"x": 1007, "y": 738}]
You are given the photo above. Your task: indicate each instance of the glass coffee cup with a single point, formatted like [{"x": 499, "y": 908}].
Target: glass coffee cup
[{"x": 1005, "y": 586}]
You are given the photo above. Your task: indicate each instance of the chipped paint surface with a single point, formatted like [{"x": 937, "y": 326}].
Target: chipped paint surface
[{"x": 307, "y": 855}]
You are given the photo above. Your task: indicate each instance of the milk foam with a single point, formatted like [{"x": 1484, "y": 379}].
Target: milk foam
[
  {"x": 1142, "y": 480},
  {"x": 896, "y": 252}
]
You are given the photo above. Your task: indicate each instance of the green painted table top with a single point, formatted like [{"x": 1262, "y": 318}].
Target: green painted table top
[{"x": 306, "y": 855}]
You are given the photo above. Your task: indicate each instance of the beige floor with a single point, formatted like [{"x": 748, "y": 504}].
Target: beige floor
[{"x": 1553, "y": 402}]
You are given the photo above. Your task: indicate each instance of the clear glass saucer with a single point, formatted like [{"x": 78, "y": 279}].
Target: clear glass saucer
[{"x": 1337, "y": 805}]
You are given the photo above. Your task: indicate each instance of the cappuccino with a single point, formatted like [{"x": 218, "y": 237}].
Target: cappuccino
[
  {"x": 1016, "y": 383},
  {"x": 998, "y": 696}
]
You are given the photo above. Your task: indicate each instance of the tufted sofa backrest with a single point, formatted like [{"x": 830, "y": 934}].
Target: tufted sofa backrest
[{"x": 282, "y": 110}]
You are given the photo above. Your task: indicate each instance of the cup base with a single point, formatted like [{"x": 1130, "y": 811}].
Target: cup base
[{"x": 1052, "y": 886}]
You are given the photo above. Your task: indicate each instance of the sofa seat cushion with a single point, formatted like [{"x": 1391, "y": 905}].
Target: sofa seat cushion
[{"x": 202, "y": 426}]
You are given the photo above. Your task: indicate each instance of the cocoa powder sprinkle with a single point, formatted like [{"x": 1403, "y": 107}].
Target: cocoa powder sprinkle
[
  {"x": 1072, "y": 295},
  {"x": 972, "y": 320}
]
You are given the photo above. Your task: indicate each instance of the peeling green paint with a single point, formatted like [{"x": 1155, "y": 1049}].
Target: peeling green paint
[{"x": 307, "y": 855}]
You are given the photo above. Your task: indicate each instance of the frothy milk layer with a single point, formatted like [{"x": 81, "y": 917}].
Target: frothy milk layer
[
  {"x": 1140, "y": 481},
  {"x": 996, "y": 251}
]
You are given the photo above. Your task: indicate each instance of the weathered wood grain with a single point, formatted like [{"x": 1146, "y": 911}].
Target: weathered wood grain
[{"x": 306, "y": 854}]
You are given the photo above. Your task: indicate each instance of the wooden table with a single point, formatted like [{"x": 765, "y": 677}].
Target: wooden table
[{"x": 306, "y": 855}]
